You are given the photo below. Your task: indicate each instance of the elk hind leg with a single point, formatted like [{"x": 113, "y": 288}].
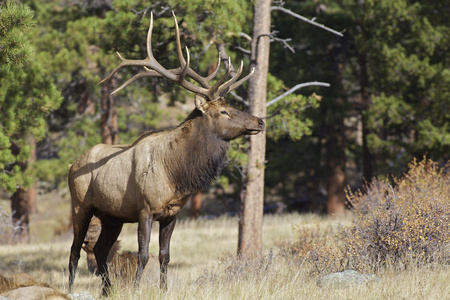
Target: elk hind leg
[
  {"x": 144, "y": 232},
  {"x": 108, "y": 236},
  {"x": 80, "y": 222},
  {"x": 165, "y": 233}
]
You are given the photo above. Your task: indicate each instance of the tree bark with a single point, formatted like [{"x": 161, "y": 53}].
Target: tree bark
[
  {"x": 23, "y": 201},
  {"x": 335, "y": 181},
  {"x": 252, "y": 194},
  {"x": 366, "y": 156},
  {"x": 196, "y": 205},
  {"x": 336, "y": 158},
  {"x": 20, "y": 215}
]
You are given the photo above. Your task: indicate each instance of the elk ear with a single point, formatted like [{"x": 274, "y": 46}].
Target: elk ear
[{"x": 201, "y": 103}]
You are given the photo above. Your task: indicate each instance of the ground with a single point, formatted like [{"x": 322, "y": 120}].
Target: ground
[{"x": 203, "y": 264}]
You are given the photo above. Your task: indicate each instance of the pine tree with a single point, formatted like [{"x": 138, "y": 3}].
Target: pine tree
[
  {"x": 26, "y": 98},
  {"x": 406, "y": 44},
  {"x": 15, "y": 21}
]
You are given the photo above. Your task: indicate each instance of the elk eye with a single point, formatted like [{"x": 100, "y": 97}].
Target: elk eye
[{"x": 224, "y": 112}]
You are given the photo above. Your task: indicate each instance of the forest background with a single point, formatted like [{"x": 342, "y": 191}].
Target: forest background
[{"x": 388, "y": 99}]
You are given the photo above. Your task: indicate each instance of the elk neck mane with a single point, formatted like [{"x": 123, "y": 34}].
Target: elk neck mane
[{"x": 196, "y": 156}]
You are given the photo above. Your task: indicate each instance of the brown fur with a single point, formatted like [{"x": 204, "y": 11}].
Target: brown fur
[
  {"x": 23, "y": 286},
  {"x": 122, "y": 265},
  {"x": 153, "y": 178},
  {"x": 150, "y": 180}
]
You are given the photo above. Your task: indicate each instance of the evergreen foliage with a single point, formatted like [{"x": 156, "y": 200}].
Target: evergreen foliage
[
  {"x": 407, "y": 48},
  {"x": 15, "y": 21},
  {"x": 404, "y": 43},
  {"x": 27, "y": 96}
]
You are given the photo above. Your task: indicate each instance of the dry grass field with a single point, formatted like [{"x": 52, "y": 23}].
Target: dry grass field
[
  {"x": 298, "y": 250},
  {"x": 203, "y": 266}
]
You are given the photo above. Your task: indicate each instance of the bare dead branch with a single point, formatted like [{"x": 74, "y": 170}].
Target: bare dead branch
[
  {"x": 312, "y": 22},
  {"x": 246, "y": 36},
  {"x": 245, "y": 51},
  {"x": 285, "y": 43},
  {"x": 298, "y": 86},
  {"x": 239, "y": 98}
]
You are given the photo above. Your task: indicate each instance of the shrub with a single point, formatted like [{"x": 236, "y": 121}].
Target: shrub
[
  {"x": 8, "y": 231},
  {"x": 395, "y": 224},
  {"x": 407, "y": 222},
  {"x": 315, "y": 246}
]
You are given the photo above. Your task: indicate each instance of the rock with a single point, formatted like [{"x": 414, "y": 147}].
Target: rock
[
  {"x": 81, "y": 296},
  {"x": 35, "y": 293},
  {"x": 345, "y": 278}
]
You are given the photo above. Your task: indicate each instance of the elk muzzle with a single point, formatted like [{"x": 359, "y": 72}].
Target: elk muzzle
[{"x": 257, "y": 128}]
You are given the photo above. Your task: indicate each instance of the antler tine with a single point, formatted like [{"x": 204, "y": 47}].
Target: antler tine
[
  {"x": 224, "y": 88},
  {"x": 149, "y": 62},
  {"x": 147, "y": 73},
  {"x": 152, "y": 68},
  {"x": 216, "y": 87},
  {"x": 124, "y": 62},
  {"x": 186, "y": 66},
  {"x": 177, "y": 41},
  {"x": 152, "y": 62},
  {"x": 240, "y": 82},
  {"x": 191, "y": 73}
]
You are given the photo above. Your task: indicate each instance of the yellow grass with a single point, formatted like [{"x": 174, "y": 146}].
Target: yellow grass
[{"x": 202, "y": 266}]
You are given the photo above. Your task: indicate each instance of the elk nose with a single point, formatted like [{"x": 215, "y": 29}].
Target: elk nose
[{"x": 262, "y": 124}]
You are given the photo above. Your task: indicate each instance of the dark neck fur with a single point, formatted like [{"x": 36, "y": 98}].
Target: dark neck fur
[{"x": 197, "y": 157}]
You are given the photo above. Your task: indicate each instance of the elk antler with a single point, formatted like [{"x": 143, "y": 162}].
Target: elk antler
[{"x": 153, "y": 69}]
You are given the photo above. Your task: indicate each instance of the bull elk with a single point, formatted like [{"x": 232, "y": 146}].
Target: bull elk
[{"x": 152, "y": 178}]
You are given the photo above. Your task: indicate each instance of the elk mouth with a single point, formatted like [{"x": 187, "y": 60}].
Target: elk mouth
[{"x": 253, "y": 131}]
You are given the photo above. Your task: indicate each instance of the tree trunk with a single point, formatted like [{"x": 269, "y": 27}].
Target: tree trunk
[
  {"x": 335, "y": 181},
  {"x": 109, "y": 123},
  {"x": 366, "y": 156},
  {"x": 86, "y": 104},
  {"x": 32, "y": 192},
  {"x": 252, "y": 194},
  {"x": 336, "y": 143},
  {"x": 20, "y": 215},
  {"x": 23, "y": 201},
  {"x": 196, "y": 205}
]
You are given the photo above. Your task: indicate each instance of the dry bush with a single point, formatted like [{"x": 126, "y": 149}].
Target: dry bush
[
  {"x": 8, "y": 230},
  {"x": 233, "y": 269},
  {"x": 401, "y": 224},
  {"x": 315, "y": 246},
  {"x": 395, "y": 224}
]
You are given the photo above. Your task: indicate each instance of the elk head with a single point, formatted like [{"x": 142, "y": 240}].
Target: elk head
[{"x": 227, "y": 122}]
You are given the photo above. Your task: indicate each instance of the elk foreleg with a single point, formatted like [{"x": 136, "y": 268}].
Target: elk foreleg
[
  {"x": 108, "y": 236},
  {"x": 144, "y": 231},
  {"x": 80, "y": 223},
  {"x": 166, "y": 227}
]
